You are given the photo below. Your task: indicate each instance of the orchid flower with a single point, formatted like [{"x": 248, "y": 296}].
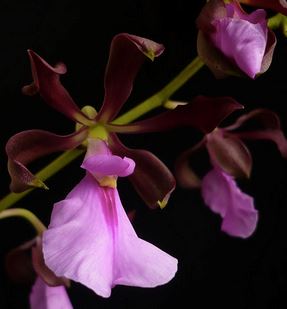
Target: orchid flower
[
  {"x": 231, "y": 159},
  {"x": 231, "y": 41},
  {"x": 90, "y": 238},
  {"x": 48, "y": 291},
  {"x": 127, "y": 53}
]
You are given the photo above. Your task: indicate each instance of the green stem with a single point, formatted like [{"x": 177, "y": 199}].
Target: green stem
[
  {"x": 26, "y": 214},
  {"x": 278, "y": 21},
  {"x": 274, "y": 21},
  {"x": 48, "y": 171},
  {"x": 160, "y": 97}
]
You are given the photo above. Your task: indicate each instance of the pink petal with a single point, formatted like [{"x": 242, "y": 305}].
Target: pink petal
[
  {"x": 109, "y": 165},
  {"x": 44, "y": 297},
  {"x": 153, "y": 181},
  {"x": 127, "y": 54},
  {"x": 100, "y": 161},
  {"x": 222, "y": 196},
  {"x": 231, "y": 42},
  {"x": 242, "y": 42},
  {"x": 216, "y": 61},
  {"x": 91, "y": 240},
  {"x": 234, "y": 10},
  {"x": 27, "y": 146},
  {"x": 47, "y": 82}
]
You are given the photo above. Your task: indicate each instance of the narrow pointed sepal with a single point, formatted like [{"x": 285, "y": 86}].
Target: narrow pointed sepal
[
  {"x": 203, "y": 113},
  {"x": 127, "y": 54},
  {"x": 266, "y": 126},
  {"x": 47, "y": 83},
  {"x": 151, "y": 178},
  {"x": 27, "y": 146}
]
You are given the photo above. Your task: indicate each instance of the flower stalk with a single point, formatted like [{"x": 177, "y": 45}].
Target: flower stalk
[{"x": 26, "y": 214}]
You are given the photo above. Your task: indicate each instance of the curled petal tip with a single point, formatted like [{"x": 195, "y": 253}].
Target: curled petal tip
[
  {"x": 38, "y": 183},
  {"x": 127, "y": 54},
  {"x": 164, "y": 201},
  {"x": 30, "y": 90},
  {"x": 173, "y": 104},
  {"x": 150, "y": 54}
]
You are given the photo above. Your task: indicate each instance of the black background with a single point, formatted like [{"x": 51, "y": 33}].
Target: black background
[{"x": 214, "y": 269}]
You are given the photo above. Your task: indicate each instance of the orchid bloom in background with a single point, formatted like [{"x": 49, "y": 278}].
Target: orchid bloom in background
[
  {"x": 48, "y": 291},
  {"x": 152, "y": 179},
  {"x": 90, "y": 238},
  {"x": 230, "y": 159},
  {"x": 230, "y": 41}
]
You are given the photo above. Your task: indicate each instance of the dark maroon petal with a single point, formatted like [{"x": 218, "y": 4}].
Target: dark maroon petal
[
  {"x": 203, "y": 113},
  {"x": 275, "y": 136},
  {"x": 42, "y": 270},
  {"x": 18, "y": 264},
  {"x": 127, "y": 53},
  {"x": 275, "y": 5},
  {"x": 260, "y": 118},
  {"x": 229, "y": 153},
  {"x": 47, "y": 82},
  {"x": 185, "y": 176},
  {"x": 212, "y": 10},
  {"x": 151, "y": 178},
  {"x": 268, "y": 55},
  {"x": 27, "y": 146}
]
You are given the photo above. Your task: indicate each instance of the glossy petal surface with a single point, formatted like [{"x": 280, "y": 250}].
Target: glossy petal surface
[{"x": 91, "y": 240}]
